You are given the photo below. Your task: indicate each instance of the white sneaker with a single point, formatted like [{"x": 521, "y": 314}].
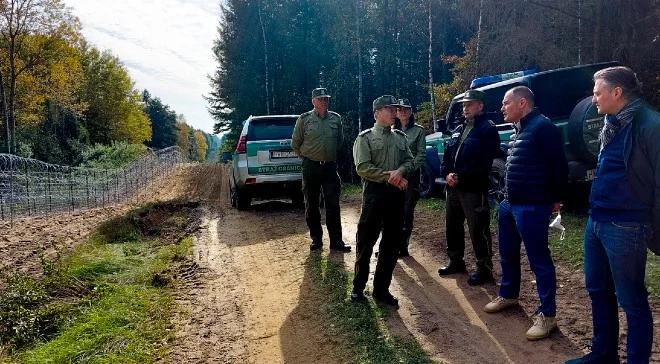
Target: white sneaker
[
  {"x": 499, "y": 304},
  {"x": 542, "y": 327}
]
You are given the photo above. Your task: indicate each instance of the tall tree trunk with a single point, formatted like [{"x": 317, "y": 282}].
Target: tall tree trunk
[
  {"x": 579, "y": 14},
  {"x": 358, "y": 19},
  {"x": 265, "y": 41},
  {"x": 433, "y": 118},
  {"x": 598, "y": 29},
  {"x": 481, "y": 8},
  {"x": 5, "y": 111}
]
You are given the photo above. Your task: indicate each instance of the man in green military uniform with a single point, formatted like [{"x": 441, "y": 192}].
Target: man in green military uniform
[
  {"x": 416, "y": 135},
  {"x": 316, "y": 139},
  {"x": 382, "y": 159}
]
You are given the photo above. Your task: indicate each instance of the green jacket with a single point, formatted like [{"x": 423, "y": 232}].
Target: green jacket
[
  {"x": 317, "y": 139},
  {"x": 381, "y": 149},
  {"x": 416, "y": 135}
]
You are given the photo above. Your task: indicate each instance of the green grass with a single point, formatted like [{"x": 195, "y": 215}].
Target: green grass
[
  {"x": 361, "y": 327},
  {"x": 107, "y": 302},
  {"x": 434, "y": 203},
  {"x": 571, "y": 249},
  {"x": 351, "y": 189}
]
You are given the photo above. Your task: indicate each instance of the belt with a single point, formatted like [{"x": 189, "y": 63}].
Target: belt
[{"x": 320, "y": 163}]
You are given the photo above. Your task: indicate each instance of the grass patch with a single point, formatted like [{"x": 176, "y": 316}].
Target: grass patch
[
  {"x": 107, "y": 301},
  {"x": 571, "y": 249},
  {"x": 351, "y": 189},
  {"x": 433, "y": 203},
  {"x": 360, "y": 326}
]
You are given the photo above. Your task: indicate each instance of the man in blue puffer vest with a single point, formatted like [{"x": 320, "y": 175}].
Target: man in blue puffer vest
[
  {"x": 624, "y": 219},
  {"x": 536, "y": 175}
]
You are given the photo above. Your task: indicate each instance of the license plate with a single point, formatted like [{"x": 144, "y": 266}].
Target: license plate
[{"x": 282, "y": 154}]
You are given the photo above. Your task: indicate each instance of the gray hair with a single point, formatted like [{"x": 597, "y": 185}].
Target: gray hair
[
  {"x": 523, "y": 92},
  {"x": 623, "y": 77}
]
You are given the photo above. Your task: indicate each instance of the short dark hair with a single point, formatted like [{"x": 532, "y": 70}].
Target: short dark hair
[
  {"x": 523, "y": 92},
  {"x": 623, "y": 77}
]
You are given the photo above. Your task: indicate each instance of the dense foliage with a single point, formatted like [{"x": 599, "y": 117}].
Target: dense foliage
[
  {"x": 62, "y": 99},
  {"x": 272, "y": 53}
]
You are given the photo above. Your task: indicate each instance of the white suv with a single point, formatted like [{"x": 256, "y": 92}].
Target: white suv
[{"x": 263, "y": 164}]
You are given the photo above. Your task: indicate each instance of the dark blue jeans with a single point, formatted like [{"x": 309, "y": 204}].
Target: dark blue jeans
[
  {"x": 528, "y": 224},
  {"x": 614, "y": 269}
]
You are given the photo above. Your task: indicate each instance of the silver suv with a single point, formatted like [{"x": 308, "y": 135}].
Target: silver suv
[{"x": 263, "y": 164}]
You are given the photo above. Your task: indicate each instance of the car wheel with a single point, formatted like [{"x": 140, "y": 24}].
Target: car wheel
[
  {"x": 497, "y": 183},
  {"x": 243, "y": 199}
]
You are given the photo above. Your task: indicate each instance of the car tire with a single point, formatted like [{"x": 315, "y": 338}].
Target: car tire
[
  {"x": 243, "y": 200},
  {"x": 426, "y": 182},
  {"x": 497, "y": 183},
  {"x": 584, "y": 127}
]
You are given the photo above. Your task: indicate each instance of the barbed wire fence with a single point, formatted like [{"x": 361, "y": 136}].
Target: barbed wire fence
[{"x": 29, "y": 187}]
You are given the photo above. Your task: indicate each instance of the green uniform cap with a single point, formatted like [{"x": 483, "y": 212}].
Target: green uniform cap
[
  {"x": 473, "y": 95},
  {"x": 404, "y": 103},
  {"x": 385, "y": 100},
  {"x": 320, "y": 92}
]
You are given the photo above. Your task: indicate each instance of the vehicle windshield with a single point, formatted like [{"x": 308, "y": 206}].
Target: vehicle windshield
[{"x": 271, "y": 128}]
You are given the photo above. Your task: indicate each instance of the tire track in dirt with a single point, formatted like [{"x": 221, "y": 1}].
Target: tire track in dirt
[{"x": 246, "y": 305}]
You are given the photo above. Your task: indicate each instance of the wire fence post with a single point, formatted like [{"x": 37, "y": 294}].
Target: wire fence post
[{"x": 73, "y": 204}]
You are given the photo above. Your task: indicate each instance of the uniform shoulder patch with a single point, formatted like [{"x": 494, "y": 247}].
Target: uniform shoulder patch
[
  {"x": 421, "y": 126},
  {"x": 306, "y": 113},
  {"x": 365, "y": 132},
  {"x": 400, "y": 132},
  {"x": 334, "y": 113}
]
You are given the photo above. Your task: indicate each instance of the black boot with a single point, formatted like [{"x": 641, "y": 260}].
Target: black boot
[
  {"x": 316, "y": 245},
  {"x": 385, "y": 297},
  {"x": 453, "y": 268},
  {"x": 480, "y": 277},
  {"x": 340, "y": 246}
]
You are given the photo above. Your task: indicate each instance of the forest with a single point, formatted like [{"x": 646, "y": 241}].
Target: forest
[
  {"x": 63, "y": 100},
  {"x": 271, "y": 53}
]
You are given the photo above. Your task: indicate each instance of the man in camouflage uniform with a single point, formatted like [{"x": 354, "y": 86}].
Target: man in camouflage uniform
[
  {"x": 416, "y": 135},
  {"x": 316, "y": 139},
  {"x": 382, "y": 159}
]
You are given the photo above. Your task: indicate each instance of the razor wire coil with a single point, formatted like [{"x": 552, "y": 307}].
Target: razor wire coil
[{"x": 29, "y": 187}]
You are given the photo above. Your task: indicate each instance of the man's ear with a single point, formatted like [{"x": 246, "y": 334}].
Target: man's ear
[{"x": 617, "y": 92}]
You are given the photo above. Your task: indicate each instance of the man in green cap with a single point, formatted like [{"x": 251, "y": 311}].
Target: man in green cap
[
  {"x": 316, "y": 139},
  {"x": 416, "y": 135},
  {"x": 382, "y": 159},
  {"x": 466, "y": 167}
]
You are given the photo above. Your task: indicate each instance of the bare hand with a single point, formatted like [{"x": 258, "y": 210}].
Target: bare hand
[
  {"x": 557, "y": 207},
  {"x": 452, "y": 180},
  {"x": 395, "y": 177}
]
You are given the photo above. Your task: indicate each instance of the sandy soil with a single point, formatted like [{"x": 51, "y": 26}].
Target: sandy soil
[{"x": 245, "y": 297}]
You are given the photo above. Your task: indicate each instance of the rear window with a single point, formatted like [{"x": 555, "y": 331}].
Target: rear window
[{"x": 271, "y": 128}]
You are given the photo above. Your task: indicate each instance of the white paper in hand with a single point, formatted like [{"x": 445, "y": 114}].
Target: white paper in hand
[{"x": 556, "y": 224}]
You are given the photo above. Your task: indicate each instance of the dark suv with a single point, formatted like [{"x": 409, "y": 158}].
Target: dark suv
[{"x": 563, "y": 95}]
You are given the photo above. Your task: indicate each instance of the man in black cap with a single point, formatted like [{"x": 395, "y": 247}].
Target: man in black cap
[
  {"x": 316, "y": 138},
  {"x": 466, "y": 166}
]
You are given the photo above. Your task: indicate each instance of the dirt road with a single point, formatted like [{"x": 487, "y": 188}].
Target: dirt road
[
  {"x": 247, "y": 297},
  {"x": 248, "y": 302}
]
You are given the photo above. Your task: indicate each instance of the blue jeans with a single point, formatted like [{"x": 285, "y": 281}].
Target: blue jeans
[
  {"x": 614, "y": 269},
  {"x": 528, "y": 224}
]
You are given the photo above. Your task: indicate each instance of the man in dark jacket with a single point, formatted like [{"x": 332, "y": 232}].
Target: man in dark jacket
[
  {"x": 624, "y": 219},
  {"x": 466, "y": 165},
  {"x": 536, "y": 173}
]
